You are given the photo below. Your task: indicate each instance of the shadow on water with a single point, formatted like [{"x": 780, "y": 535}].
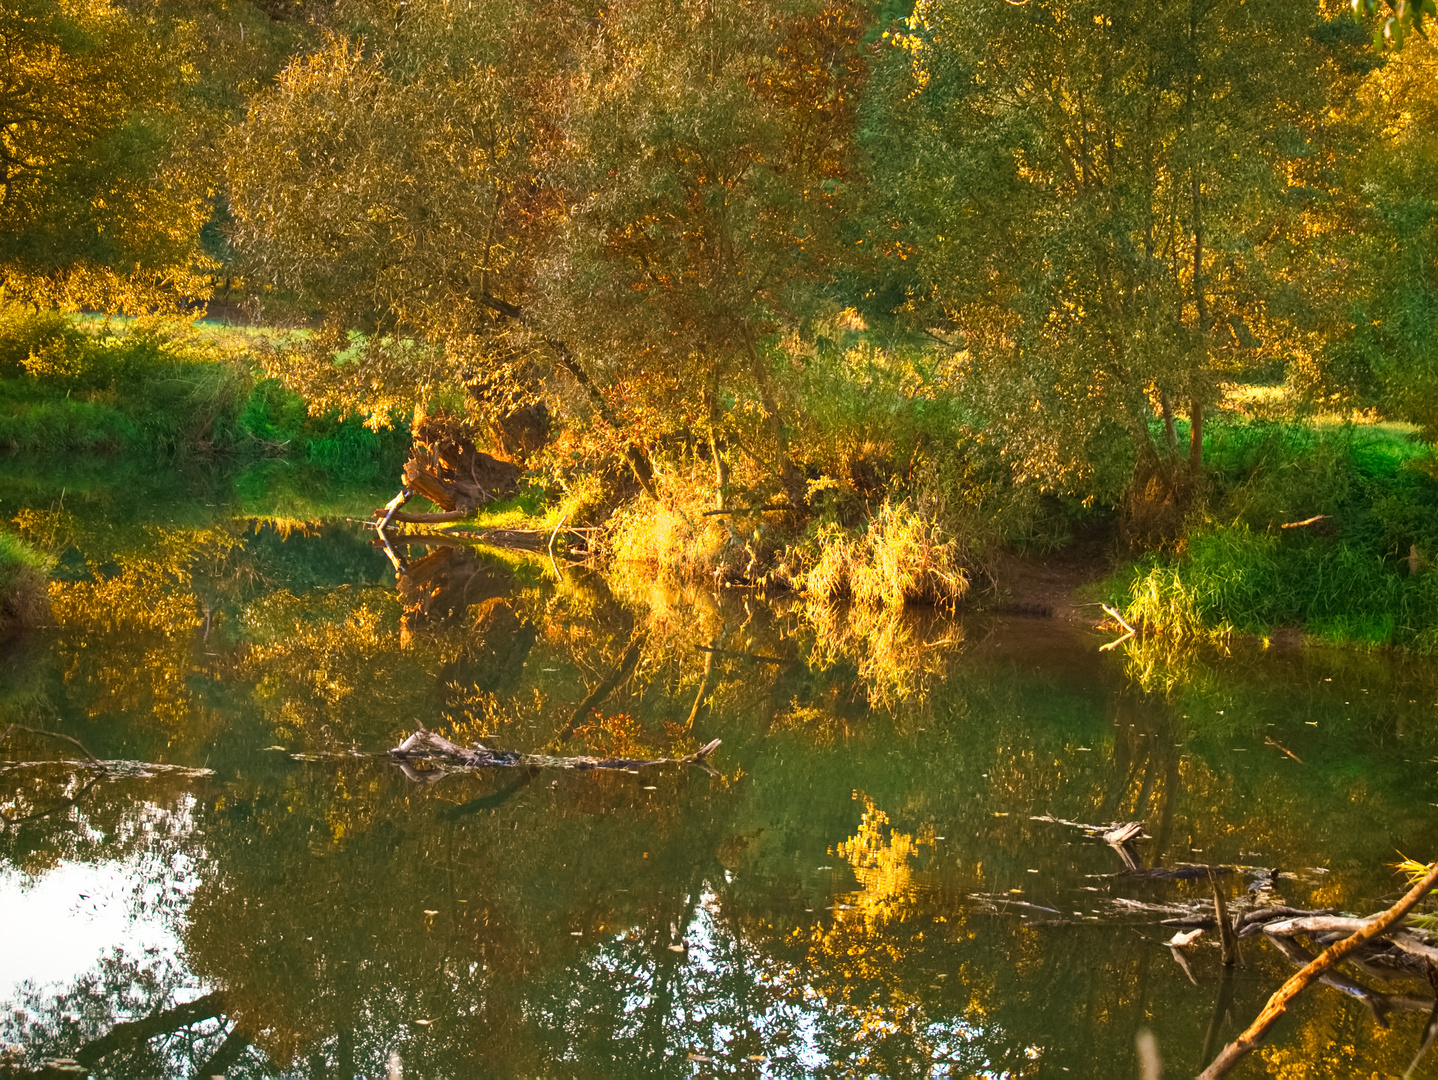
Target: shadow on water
[{"x": 887, "y": 875}]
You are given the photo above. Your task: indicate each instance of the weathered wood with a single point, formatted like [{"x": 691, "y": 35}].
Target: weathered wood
[
  {"x": 1317, "y": 924},
  {"x": 1268, "y": 914},
  {"x": 1278, "y": 1003},
  {"x": 429, "y": 519},
  {"x": 427, "y": 746},
  {"x": 1227, "y": 939}
]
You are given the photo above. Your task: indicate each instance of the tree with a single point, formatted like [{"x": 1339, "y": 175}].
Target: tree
[
  {"x": 98, "y": 205},
  {"x": 712, "y": 158},
  {"x": 1109, "y": 204},
  {"x": 475, "y": 199}
]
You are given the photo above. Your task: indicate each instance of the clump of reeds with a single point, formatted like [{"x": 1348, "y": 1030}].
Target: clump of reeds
[
  {"x": 24, "y": 600},
  {"x": 899, "y": 557},
  {"x": 672, "y": 536}
]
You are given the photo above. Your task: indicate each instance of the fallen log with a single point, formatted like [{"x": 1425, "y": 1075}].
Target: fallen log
[
  {"x": 1268, "y": 914},
  {"x": 426, "y": 746}
]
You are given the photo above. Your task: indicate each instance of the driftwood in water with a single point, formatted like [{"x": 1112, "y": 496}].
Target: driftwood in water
[
  {"x": 427, "y": 746},
  {"x": 1278, "y": 1003},
  {"x": 1249, "y": 920}
]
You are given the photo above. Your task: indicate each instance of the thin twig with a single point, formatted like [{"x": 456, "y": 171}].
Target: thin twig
[
  {"x": 1271, "y": 741},
  {"x": 558, "y": 576}
]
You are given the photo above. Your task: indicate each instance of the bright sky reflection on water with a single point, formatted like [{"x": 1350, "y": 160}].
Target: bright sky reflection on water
[{"x": 60, "y": 924}]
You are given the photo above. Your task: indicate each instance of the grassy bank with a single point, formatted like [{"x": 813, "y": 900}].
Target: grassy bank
[
  {"x": 1330, "y": 530},
  {"x": 165, "y": 391},
  {"x": 23, "y": 572}
]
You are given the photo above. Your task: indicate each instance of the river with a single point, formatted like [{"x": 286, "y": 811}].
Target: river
[{"x": 882, "y": 870}]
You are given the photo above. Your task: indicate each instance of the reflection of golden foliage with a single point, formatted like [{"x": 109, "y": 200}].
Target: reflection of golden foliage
[
  {"x": 882, "y": 866},
  {"x": 621, "y": 735},
  {"x": 153, "y": 590},
  {"x": 822, "y": 727},
  {"x": 1337, "y": 1041},
  {"x": 1160, "y": 665},
  {"x": 858, "y": 963},
  {"x": 897, "y": 654},
  {"x": 318, "y": 652}
]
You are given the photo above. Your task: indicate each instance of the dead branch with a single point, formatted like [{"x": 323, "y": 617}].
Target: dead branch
[
  {"x": 1314, "y": 520},
  {"x": 1278, "y": 1003},
  {"x": 427, "y": 746},
  {"x": 1129, "y": 631},
  {"x": 1227, "y": 938}
]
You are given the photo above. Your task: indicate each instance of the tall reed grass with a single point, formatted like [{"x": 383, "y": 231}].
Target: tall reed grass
[{"x": 898, "y": 557}]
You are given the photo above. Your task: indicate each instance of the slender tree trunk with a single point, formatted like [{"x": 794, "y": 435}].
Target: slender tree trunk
[
  {"x": 789, "y": 474},
  {"x": 1169, "y": 434},
  {"x": 634, "y": 453},
  {"x": 1195, "y": 437},
  {"x": 721, "y": 467}
]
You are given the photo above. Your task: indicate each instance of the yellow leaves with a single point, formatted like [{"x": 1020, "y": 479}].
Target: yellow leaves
[{"x": 150, "y": 592}]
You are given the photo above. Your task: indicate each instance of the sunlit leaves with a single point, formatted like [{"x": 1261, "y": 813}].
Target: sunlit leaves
[{"x": 98, "y": 204}]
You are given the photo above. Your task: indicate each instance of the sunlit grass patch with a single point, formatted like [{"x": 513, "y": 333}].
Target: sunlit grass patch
[
  {"x": 1234, "y": 579},
  {"x": 23, "y": 569}
]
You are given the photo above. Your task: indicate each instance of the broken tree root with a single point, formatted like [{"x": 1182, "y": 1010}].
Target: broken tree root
[{"x": 427, "y": 746}]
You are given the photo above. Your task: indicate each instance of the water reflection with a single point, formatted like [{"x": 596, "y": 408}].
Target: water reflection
[{"x": 881, "y": 879}]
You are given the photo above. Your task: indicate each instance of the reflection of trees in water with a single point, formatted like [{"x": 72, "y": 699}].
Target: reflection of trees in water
[
  {"x": 534, "y": 919},
  {"x": 131, "y": 1018}
]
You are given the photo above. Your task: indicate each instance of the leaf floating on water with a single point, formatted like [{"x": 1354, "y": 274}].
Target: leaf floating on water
[
  {"x": 424, "y": 1023},
  {"x": 1185, "y": 939},
  {"x": 700, "y": 1057},
  {"x": 428, "y": 911},
  {"x": 678, "y": 948},
  {"x": 650, "y": 787}
]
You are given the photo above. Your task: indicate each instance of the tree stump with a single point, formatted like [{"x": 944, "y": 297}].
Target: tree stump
[{"x": 447, "y": 469}]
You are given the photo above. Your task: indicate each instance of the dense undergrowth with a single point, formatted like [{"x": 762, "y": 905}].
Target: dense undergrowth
[
  {"x": 908, "y": 501},
  {"x": 165, "y": 390},
  {"x": 1353, "y": 565}
]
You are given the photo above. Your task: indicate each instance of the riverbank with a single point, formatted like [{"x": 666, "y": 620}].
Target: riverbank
[
  {"x": 1298, "y": 525},
  {"x": 23, "y": 570},
  {"x": 166, "y": 392}
]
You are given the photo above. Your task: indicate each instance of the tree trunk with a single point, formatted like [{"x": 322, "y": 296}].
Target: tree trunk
[
  {"x": 789, "y": 474},
  {"x": 1195, "y": 438},
  {"x": 1169, "y": 434},
  {"x": 721, "y": 467}
]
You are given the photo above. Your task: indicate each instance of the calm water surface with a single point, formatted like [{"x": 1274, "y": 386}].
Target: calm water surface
[{"x": 865, "y": 883}]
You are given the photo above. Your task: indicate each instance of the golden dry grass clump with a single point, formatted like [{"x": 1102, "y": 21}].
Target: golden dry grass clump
[
  {"x": 901, "y": 558},
  {"x": 672, "y": 536}
]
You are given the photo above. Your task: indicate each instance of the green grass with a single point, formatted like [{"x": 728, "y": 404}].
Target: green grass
[
  {"x": 23, "y": 572},
  {"x": 166, "y": 391},
  {"x": 1361, "y": 575}
]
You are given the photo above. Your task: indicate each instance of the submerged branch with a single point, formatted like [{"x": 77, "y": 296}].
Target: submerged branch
[
  {"x": 1278, "y": 1003},
  {"x": 427, "y": 746}
]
